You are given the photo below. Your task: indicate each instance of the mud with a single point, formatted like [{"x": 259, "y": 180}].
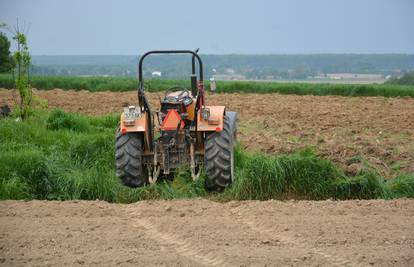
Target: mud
[
  {"x": 204, "y": 233},
  {"x": 344, "y": 129}
]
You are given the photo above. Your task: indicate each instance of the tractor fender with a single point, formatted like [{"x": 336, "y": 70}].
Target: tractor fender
[
  {"x": 215, "y": 121},
  {"x": 140, "y": 124}
]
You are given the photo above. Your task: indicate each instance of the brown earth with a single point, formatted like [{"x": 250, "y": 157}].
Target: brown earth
[
  {"x": 201, "y": 232},
  {"x": 381, "y": 130}
]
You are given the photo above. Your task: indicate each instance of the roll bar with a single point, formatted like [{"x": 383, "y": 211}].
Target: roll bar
[
  {"x": 141, "y": 60},
  {"x": 143, "y": 101}
]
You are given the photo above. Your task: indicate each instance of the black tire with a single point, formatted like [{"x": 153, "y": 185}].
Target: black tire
[
  {"x": 219, "y": 157},
  {"x": 128, "y": 159}
]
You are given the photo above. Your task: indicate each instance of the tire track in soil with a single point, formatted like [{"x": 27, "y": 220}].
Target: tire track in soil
[
  {"x": 181, "y": 245},
  {"x": 260, "y": 227}
]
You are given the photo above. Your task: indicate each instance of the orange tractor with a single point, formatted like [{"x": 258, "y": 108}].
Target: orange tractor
[{"x": 191, "y": 133}]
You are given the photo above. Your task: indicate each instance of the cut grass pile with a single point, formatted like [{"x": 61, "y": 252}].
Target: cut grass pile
[
  {"x": 59, "y": 155},
  {"x": 94, "y": 84}
]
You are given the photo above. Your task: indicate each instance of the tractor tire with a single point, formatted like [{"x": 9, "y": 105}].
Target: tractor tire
[
  {"x": 128, "y": 159},
  {"x": 219, "y": 157}
]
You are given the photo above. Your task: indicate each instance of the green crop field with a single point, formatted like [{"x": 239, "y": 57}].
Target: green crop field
[{"x": 94, "y": 84}]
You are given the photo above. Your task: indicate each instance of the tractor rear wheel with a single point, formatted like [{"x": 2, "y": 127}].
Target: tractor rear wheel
[
  {"x": 219, "y": 157},
  {"x": 128, "y": 157}
]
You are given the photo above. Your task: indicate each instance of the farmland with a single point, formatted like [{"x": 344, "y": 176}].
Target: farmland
[
  {"x": 291, "y": 148},
  {"x": 329, "y": 137},
  {"x": 279, "y": 135}
]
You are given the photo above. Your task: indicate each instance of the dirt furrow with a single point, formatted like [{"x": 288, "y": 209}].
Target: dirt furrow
[
  {"x": 261, "y": 227},
  {"x": 190, "y": 250}
]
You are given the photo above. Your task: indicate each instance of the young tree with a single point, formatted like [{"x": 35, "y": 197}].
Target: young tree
[{"x": 22, "y": 60}]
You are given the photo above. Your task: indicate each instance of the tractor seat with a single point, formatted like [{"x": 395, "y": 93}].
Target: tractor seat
[{"x": 178, "y": 97}]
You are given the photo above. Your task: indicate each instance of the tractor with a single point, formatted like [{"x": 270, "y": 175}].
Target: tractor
[{"x": 190, "y": 133}]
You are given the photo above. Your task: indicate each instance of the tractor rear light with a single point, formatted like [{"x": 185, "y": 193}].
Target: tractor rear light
[
  {"x": 218, "y": 129},
  {"x": 123, "y": 131}
]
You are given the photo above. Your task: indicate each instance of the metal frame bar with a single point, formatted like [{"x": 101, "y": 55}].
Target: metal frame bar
[{"x": 142, "y": 99}]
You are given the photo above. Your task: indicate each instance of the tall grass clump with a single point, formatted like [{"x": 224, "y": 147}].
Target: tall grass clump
[
  {"x": 401, "y": 186},
  {"x": 365, "y": 185},
  {"x": 59, "y": 119},
  {"x": 62, "y": 156},
  {"x": 29, "y": 165},
  {"x": 302, "y": 175},
  {"x": 13, "y": 188}
]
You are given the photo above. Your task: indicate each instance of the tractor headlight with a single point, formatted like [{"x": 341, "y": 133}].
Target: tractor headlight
[{"x": 130, "y": 114}]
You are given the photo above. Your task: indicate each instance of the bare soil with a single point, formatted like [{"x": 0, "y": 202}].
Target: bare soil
[
  {"x": 203, "y": 233},
  {"x": 343, "y": 129}
]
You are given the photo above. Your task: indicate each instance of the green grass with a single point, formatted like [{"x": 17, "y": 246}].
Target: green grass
[
  {"x": 129, "y": 84},
  {"x": 62, "y": 156}
]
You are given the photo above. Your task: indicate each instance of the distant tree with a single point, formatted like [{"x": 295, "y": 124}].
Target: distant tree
[
  {"x": 6, "y": 60},
  {"x": 407, "y": 79},
  {"x": 299, "y": 72}
]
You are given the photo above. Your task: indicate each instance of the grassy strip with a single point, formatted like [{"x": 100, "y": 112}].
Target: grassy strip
[
  {"x": 128, "y": 83},
  {"x": 63, "y": 156}
]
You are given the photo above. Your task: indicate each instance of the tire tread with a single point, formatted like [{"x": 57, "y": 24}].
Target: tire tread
[{"x": 128, "y": 159}]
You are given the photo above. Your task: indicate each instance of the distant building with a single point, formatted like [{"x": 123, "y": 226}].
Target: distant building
[
  {"x": 354, "y": 76},
  {"x": 156, "y": 74},
  {"x": 229, "y": 71},
  {"x": 359, "y": 78},
  {"x": 228, "y": 77}
]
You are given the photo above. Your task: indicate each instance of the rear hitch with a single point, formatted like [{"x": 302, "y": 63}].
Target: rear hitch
[
  {"x": 153, "y": 174},
  {"x": 194, "y": 174}
]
